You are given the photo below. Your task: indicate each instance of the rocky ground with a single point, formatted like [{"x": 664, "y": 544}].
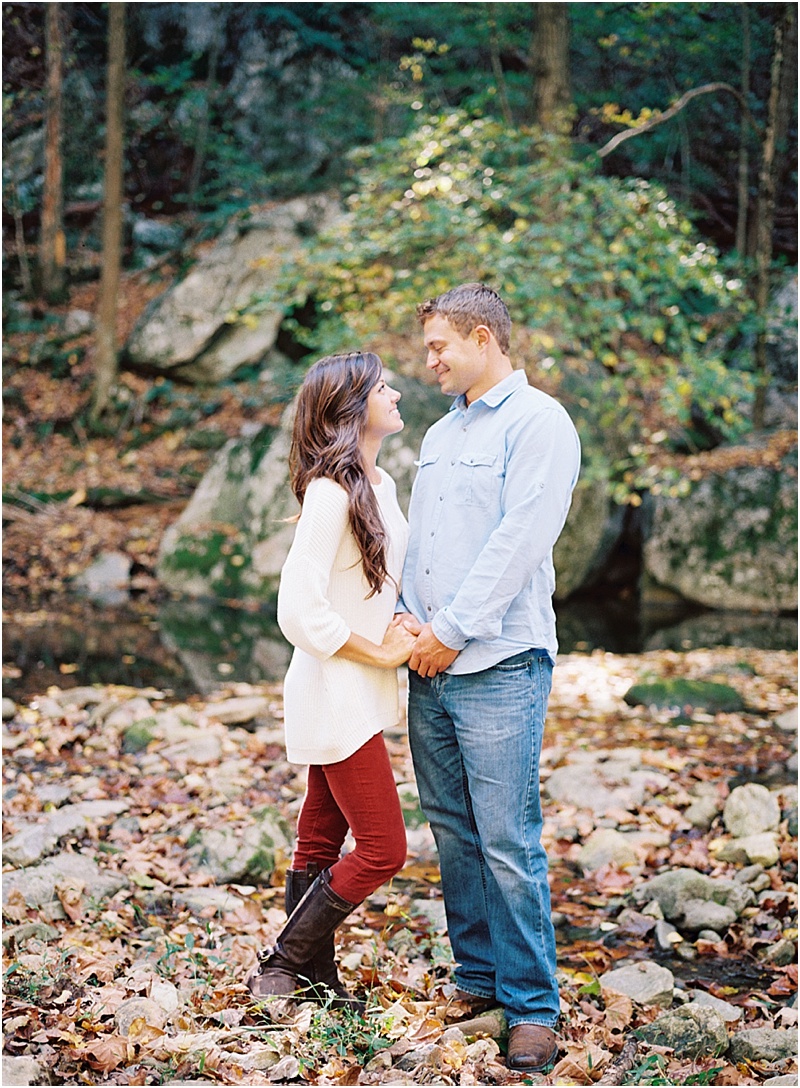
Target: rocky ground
[{"x": 146, "y": 841}]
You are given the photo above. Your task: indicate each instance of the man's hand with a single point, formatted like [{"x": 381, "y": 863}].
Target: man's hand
[{"x": 430, "y": 656}]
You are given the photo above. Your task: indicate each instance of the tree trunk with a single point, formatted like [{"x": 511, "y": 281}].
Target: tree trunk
[
  {"x": 52, "y": 244},
  {"x": 105, "y": 360},
  {"x": 772, "y": 158},
  {"x": 744, "y": 156},
  {"x": 550, "y": 66}
]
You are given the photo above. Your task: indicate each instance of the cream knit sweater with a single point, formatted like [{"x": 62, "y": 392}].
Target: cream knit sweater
[{"x": 333, "y": 706}]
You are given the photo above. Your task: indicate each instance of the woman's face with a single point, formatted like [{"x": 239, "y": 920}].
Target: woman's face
[{"x": 383, "y": 417}]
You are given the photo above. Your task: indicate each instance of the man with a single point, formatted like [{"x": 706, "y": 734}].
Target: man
[{"x": 490, "y": 498}]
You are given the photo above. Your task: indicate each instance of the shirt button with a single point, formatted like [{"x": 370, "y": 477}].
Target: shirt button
[
  {"x": 452, "y": 462},
  {"x": 428, "y": 571},
  {"x": 430, "y": 609}
]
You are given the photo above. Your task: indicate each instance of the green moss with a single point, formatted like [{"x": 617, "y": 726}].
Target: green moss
[
  {"x": 137, "y": 736},
  {"x": 679, "y": 693}
]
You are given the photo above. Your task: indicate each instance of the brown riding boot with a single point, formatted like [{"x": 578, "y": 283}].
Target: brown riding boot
[
  {"x": 327, "y": 987},
  {"x": 282, "y": 972}
]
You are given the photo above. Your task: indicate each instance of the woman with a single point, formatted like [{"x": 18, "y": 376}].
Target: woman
[{"x": 336, "y": 602}]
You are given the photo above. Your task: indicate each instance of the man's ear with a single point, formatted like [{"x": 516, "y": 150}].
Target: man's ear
[{"x": 482, "y": 334}]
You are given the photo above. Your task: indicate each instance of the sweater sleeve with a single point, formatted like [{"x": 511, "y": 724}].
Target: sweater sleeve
[{"x": 305, "y": 615}]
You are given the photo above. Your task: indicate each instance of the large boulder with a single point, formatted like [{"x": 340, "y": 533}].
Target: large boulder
[
  {"x": 223, "y": 315},
  {"x": 732, "y": 542},
  {"x": 232, "y": 539}
]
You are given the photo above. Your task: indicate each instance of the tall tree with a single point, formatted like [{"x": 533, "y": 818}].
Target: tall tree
[
  {"x": 550, "y": 66},
  {"x": 52, "y": 244},
  {"x": 105, "y": 359},
  {"x": 743, "y": 193},
  {"x": 773, "y": 156}
]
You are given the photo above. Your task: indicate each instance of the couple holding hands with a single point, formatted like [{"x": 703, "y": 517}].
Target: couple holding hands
[{"x": 463, "y": 594}]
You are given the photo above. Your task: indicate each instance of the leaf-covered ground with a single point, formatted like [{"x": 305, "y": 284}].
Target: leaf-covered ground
[{"x": 147, "y": 986}]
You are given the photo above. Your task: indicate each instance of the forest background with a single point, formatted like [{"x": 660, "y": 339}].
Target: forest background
[{"x": 624, "y": 173}]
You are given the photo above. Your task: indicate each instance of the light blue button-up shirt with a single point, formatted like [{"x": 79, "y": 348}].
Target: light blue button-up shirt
[{"x": 491, "y": 496}]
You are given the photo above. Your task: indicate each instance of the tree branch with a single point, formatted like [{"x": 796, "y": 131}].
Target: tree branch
[{"x": 676, "y": 107}]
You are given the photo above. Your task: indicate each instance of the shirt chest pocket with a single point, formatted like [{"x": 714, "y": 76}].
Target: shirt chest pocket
[{"x": 477, "y": 479}]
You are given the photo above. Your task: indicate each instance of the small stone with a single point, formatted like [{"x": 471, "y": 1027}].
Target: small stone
[
  {"x": 9, "y": 709},
  {"x": 709, "y": 935},
  {"x": 603, "y": 847},
  {"x": 787, "y": 721},
  {"x": 751, "y": 809},
  {"x": 21, "y": 1071},
  {"x": 702, "y": 812},
  {"x": 706, "y": 914},
  {"x": 692, "y": 1031},
  {"x": 749, "y": 874},
  {"x": 653, "y": 910},
  {"x": 781, "y": 954},
  {"x": 139, "y": 1008},
  {"x": 647, "y": 983},
  {"x": 667, "y": 936},
  {"x": 763, "y": 1045},
  {"x": 729, "y": 1013},
  {"x": 239, "y": 710},
  {"x": 762, "y": 848}
]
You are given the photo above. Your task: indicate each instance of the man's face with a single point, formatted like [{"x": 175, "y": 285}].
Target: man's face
[{"x": 458, "y": 362}]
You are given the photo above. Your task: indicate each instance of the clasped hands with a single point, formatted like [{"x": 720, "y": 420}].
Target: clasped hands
[{"x": 426, "y": 654}]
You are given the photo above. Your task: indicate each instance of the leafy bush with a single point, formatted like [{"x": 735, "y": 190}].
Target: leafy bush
[{"x": 593, "y": 268}]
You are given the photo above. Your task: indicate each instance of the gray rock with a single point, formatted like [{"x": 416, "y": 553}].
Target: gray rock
[
  {"x": 762, "y": 849},
  {"x": 78, "y": 322},
  {"x": 702, "y": 812},
  {"x": 194, "y": 329},
  {"x": 17, "y": 936},
  {"x": 240, "y": 854},
  {"x": 646, "y": 983},
  {"x": 603, "y": 847},
  {"x": 781, "y": 954},
  {"x": 729, "y": 1013},
  {"x": 787, "y": 722},
  {"x": 667, "y": 936},
  {"x": 709, "y": 935},
  {"x": 706, "y": 914},
  {"x": 749, "y": 875},
  {"x": 198, "y": 900},
  {"x": 156, "y": 234},
  {"x": 732, "y": 542},
  {"x": 763, "y": 1045},
  {"x": 107, "y": 579},
  {"x": 32, "y": 843},
  {"x": 789, "y": 1079},
  {"x": 751, "y": 809},
  {"x": 139, "y": 1008},
  {"x": 23, "y": 1071},
  {"x": 676, "y": 887},
  {"x": 692, "y": 1031},
  {"x": 9, "y": 709},
  {"x": 238, "y": 710},
  {"x": 37, "y": 883}
]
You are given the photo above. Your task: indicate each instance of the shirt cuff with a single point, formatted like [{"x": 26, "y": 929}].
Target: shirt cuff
[{"x": 447, "y": 632}]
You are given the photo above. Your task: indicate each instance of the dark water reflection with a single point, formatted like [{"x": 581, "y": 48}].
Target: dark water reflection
[{"x": 191, "y": 647}]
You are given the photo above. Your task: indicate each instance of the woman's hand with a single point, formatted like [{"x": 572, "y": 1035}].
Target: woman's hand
[{"x": 397, "y": 646}]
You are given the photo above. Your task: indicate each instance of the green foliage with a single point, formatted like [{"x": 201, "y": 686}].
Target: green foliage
[{"x": 594, "y": 268}]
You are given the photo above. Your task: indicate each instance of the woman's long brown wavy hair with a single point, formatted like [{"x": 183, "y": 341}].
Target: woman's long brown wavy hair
[{"x": 329, "y": 424}]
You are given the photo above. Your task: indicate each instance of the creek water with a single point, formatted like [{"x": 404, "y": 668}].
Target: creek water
[{"x": 195, "y": 647}]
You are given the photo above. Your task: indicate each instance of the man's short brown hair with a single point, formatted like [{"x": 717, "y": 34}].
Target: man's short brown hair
[{"x": 469, "y": 305}]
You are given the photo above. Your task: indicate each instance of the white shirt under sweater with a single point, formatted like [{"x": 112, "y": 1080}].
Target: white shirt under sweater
[{"x": 333, "y": 706}]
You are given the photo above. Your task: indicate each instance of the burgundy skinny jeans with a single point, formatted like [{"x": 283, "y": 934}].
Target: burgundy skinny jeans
[{"x": 358, "y": 793}]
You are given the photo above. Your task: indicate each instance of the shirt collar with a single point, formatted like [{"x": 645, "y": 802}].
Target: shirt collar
[{"x": 497, "y": 394}]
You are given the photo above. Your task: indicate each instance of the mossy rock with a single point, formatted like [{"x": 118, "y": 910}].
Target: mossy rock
[
  {"x": 137, "y": 736},
  {"x": 680, "y": 693}
]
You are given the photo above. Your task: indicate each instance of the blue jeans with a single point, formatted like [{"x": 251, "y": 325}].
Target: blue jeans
[{"x": 476, "y": 740}]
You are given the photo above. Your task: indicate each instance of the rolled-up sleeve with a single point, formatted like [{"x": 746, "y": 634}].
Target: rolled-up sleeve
[{"x": 305, "y": 615}]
